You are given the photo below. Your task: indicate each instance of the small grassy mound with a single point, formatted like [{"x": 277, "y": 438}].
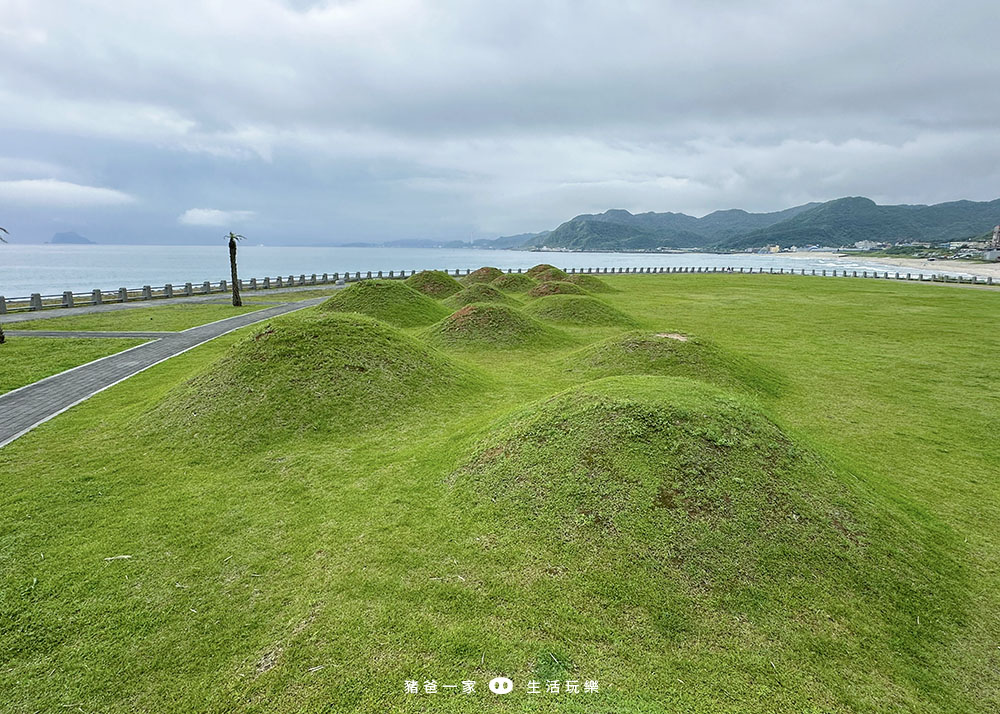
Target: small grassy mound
[
  {"x": 490, "y": 324},
  {"x": 550, "y": 272},
  {"x": 556, "y": 287},
  {"x": 482, "y": 275},
  {"x": 590, "y": 283},
  {"x": 435, "y": 283},
  {"x": 388, "y": 300},
  {"x": 683, "y": 517},
  {"x": 313, "y": 371},
  {"x": 478, "y": 292},
  {"x": 671, "y": 354},
  {"x": 577, "y": 310},
  {"x": 514, "y": 283}
]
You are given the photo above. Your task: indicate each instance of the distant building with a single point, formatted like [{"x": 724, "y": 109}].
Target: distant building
[{"x": 866, "y": 245}]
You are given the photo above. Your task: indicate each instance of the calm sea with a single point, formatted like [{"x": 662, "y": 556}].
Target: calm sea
[{"x": 51, "y": 269}]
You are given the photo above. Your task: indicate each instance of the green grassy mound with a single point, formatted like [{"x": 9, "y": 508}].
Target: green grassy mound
[
  {"x": 514, "y": 283},
  {"x": 490, "y": 324},
  {"x": 556, "y": 287},
  {"x": 478, "y": 292},
  {"x": 435, "y": 283},
  {"x": 388, "y": 300},
  {"x": 482, "y": 275},
  {"x": 688, "y": 522},
  {"x": 550, "y": 272},
  {"x": 577, "y": 310},
  {"x": 313, "y": 372},
  {"x": 672, "y": 354},
  {"x": 590, "y": 283}
]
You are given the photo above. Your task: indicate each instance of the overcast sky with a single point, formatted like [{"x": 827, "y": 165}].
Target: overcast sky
[{"x": 308, "y": 122}]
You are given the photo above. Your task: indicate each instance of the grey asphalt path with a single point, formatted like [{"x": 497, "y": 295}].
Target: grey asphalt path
[
  {"x": 87, "y": 333},
  {"x": 21, "y": 410}
]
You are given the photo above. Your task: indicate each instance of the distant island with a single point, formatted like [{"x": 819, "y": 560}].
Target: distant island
[{"x": 70, "y": 238}]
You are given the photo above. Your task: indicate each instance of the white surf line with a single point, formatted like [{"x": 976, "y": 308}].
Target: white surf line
[{"x": 38, "y": 423}]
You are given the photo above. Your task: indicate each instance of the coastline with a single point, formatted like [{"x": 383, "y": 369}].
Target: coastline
[{"x": 920, "y": 265}]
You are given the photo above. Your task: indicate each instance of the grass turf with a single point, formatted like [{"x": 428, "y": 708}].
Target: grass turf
[
  {"x": 639, "y": 530},
  {"x": 389, "y": 300},
  {"x": 435, "y": 283},
  {"x": 165, "y": 318},
  {"x": 24, "y": 360}
]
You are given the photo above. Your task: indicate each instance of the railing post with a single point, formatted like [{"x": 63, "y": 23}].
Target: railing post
[
  {"x": 188, "y": 289},
  {"x": 67, "y": 299},
  {"x": 206, "y": 287},
  {"x": 326, "y": 278},
  {"x": 3, "y": 305},
  {"x": 96, "y": 298},
  {"x": 36, "y": 301},
  {"x": 147, "y": 292},
  {"x": 122, "y": 294},
  {"x": 168, "y": 290}
]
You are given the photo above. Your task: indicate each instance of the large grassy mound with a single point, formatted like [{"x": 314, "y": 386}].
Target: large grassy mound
[
  {"x": 556, "y": 287},
  {"x": 544, "y": 271},
  {"x": 692, "y": 524},
  {"x": 485, "y": 274},
  {"x": 671, "y": 354},
  {"x": 590, "y": 283},
  {"x": 388, "y": 300},
  {"x": 514, "y": 283},
  {"x": 478, "y": 292},
  {"x": 577, "y": 310},
  {"x": 313, "y": 372},
  {"x": 435, "y": 283},
  {"x": 490, "y": 324}
]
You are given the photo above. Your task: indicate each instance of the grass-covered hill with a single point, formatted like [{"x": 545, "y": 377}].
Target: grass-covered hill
[
  {"x": 577, "y": 310},
  {"x": 493, "y": 325},
  {"x": 478, "y": 292},
  {"x": 711, "y": 506},
  {"x": 435, "y": 283},
  {"x": 392, "y": 301},
  {"x": 485, "y": 274},
  {"x": 346, "y": 372},
  {"x": 514, "y": 283}
]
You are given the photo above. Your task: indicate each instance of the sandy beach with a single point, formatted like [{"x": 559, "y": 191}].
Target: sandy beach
[{"x": 985, "y": 270}]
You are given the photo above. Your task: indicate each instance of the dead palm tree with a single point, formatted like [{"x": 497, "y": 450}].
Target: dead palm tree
[
  {"x": 3, "y": 337},
  {"x": 233, "y": 238}
]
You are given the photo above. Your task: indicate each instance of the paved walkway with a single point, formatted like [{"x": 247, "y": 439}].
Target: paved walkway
[{"x": 21, "y": 410}]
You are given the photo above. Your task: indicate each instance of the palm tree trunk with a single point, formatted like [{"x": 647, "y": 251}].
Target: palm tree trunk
[{"x": 237, "y": 301}]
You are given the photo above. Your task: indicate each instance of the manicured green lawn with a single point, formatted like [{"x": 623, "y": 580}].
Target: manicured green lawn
[
  {"x": 285, "y": 295},
  {"x": 795, "y": 510},
  {"x": 27, "y": 359},
  {"x": 165, "y": 318}
]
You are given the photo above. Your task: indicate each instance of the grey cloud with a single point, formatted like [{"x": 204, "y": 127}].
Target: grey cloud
[{"x": 378, "y": 119}]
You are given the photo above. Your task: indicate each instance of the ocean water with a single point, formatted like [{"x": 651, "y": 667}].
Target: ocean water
[{"x": 51, "y": 269}]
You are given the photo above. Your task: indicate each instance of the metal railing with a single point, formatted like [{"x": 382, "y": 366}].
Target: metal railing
[{"x": 69, "y": 299}]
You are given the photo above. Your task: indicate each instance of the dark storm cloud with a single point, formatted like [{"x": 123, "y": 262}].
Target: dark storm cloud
[{"x": 376, "y": 119}]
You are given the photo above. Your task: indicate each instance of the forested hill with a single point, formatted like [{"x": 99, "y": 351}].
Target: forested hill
[{"x": 834, "y": 223}]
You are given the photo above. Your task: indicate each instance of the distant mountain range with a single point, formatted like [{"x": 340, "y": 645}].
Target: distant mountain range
[{"x": 837, "y": 223}]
